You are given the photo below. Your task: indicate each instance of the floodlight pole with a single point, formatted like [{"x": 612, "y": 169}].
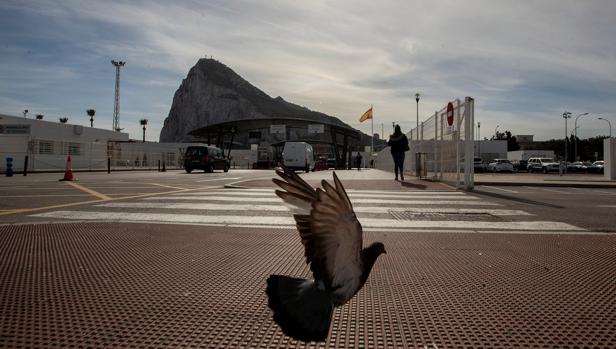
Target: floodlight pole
[
  {"x": 116, "y": 104},
  {"x": 575, "y": 148}
]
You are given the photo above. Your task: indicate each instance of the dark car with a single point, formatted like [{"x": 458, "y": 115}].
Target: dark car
[
  {"x": 478, "y": 165},
  {"x": 207, "y": 158},
  {"x": 520, "y": 165}
]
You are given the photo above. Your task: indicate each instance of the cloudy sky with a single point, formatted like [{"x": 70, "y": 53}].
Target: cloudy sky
[{"x": 524, "y": 62}]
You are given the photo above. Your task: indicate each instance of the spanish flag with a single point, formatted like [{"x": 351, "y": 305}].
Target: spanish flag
[{"x": 367, "y": 115}]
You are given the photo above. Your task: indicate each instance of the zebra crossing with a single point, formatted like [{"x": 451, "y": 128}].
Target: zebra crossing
[{"x": 376, "y": 211}]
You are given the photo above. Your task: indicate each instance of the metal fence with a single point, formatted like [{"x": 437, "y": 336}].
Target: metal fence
[{"x": 446, "y": 150}]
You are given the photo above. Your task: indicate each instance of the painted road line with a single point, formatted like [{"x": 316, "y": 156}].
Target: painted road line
[
  {"x": 279, "y": 208},
  {"x": 241, "y": 196},
  {"x": 349, "y": 191},
  {"x": 497, "y": 188},
  {"x": 353, "y": 195},
  {"x": 166, "y": 186},
  {"x": 24, "y": 210},
  {"x": 51, "y": 207},
  {"x": 89, "y": 191},
  {"x": 606, "y": 192},
  {"x": 195, "y": 206},
  {"x": 218, "y": 179},
  {"x": 354, "y": 201},
  {"x": 609, "y": 206},
  {"x": 289, "y": 221},
  {"x": 555, "y": 191}
]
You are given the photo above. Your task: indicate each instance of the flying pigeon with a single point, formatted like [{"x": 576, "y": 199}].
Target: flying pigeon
[{"x": 332, "y": 239}]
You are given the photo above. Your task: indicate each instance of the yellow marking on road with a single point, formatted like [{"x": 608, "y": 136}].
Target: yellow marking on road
[
  {"x": 23, "y": 210},
  {"x": 89, "y": 191},
  {"x": 166, "y": 186}
]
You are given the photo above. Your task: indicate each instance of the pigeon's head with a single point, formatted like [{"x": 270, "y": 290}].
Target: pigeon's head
[{"x": 377, "y": 249}]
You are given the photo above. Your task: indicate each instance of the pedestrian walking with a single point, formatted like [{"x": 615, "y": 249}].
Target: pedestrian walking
[
  {"x": 398, "y": 144},
  {"x": 358, "y": 161}
]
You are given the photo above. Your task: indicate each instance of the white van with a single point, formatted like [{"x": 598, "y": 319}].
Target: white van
[{"x": 298, "y": 156}]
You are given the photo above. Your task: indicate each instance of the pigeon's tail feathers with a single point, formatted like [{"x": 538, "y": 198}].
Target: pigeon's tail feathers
[{"x": 301, "y": 309}]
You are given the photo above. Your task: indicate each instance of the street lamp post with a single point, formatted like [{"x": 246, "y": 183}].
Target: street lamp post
[
  {"x": 143, "y": 123},
  {"x": 417, "y": 100},
  {"x": 479, "y": 138},
  {"x": 566, "y": 115},
  {"x": 609, "y": 124},
  {"x": 575, "y": 148}
]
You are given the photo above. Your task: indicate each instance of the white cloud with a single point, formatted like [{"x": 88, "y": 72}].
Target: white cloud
[{"x": 338, "y": 57}]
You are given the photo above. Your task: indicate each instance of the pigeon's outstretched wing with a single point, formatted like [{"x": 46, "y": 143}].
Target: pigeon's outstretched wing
[{"x": 331, "y": 233}]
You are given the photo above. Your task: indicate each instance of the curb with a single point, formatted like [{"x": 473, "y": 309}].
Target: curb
[{"x": 543, "y": 184}]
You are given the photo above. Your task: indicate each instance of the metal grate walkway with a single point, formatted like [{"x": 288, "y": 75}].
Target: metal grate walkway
[{"x": 158, "y": 286}]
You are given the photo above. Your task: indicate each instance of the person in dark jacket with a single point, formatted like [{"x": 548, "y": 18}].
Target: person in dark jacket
[{"x": 399, "y": 145}]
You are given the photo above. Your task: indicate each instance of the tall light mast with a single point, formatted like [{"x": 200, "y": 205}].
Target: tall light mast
[{"x": 116, "y": 104}]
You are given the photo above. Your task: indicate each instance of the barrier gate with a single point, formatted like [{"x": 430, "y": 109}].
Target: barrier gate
[{"x": 447, "y": 151}]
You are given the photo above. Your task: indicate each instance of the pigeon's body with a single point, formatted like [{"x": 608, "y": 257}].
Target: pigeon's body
[{"x": 332, "y": 238}]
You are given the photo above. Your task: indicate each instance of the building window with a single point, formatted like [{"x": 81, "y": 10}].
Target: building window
[
  {"x": 72, "y": 148},
  {"x": 45, "y": 147},
  {"x": 171, "y": 159}
]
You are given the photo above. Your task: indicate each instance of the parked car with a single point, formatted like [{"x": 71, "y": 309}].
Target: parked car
[
  {"x": 520, "y": 165},
  {"x": 578, "y": 166},
  {"x": 544, "y": 165},
  {"x": 500, "y": 165},
  {"x": 598, "y": 166},
  {"x": 207, "y": 158},
  {"x": 479, "y": 165}
]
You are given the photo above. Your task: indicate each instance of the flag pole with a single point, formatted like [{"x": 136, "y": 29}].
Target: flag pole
[{"x": 372, "y": 132}]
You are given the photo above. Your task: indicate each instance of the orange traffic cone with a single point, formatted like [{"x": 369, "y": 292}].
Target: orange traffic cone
[{"x": 68, "y": 173}]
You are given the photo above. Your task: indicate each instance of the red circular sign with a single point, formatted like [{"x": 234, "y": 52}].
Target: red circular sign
[{"x": 450, "y": 113}]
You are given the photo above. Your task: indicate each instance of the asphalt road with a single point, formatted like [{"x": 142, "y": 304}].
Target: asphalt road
[
  {"x": 591, "y": 208},
  {"x": 22, "y": 196}
]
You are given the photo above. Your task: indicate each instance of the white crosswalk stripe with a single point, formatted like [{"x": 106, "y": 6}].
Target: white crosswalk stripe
[{"x": 376, "y": 210}]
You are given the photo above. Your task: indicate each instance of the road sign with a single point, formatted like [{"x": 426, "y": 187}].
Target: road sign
[{"x": 450, "y": 113}]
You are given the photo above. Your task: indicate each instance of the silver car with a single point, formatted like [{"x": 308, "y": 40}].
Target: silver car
[{"x": 500, "y": 165}]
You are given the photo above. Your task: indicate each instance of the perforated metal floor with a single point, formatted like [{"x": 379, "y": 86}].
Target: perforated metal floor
[{"x": 144, "y": 286}]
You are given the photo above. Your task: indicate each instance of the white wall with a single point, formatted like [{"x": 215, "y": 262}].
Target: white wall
[
  {"x": 527, "y": 154},
  {"x": 91, "y": 144}
]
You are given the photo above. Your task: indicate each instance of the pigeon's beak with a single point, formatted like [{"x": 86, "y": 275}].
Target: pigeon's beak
[{"x": 385, "y": 252}]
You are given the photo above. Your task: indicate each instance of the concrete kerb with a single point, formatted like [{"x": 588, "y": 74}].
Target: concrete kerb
[{"x": 550, "y": 184}]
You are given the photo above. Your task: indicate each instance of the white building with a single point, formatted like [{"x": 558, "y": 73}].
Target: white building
[
  {"x": 527, "y": 154},
  {"x": 47, "y": 145}
]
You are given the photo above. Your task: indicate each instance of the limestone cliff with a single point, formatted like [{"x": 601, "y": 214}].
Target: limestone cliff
[{"x": 213, "y": 93}]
